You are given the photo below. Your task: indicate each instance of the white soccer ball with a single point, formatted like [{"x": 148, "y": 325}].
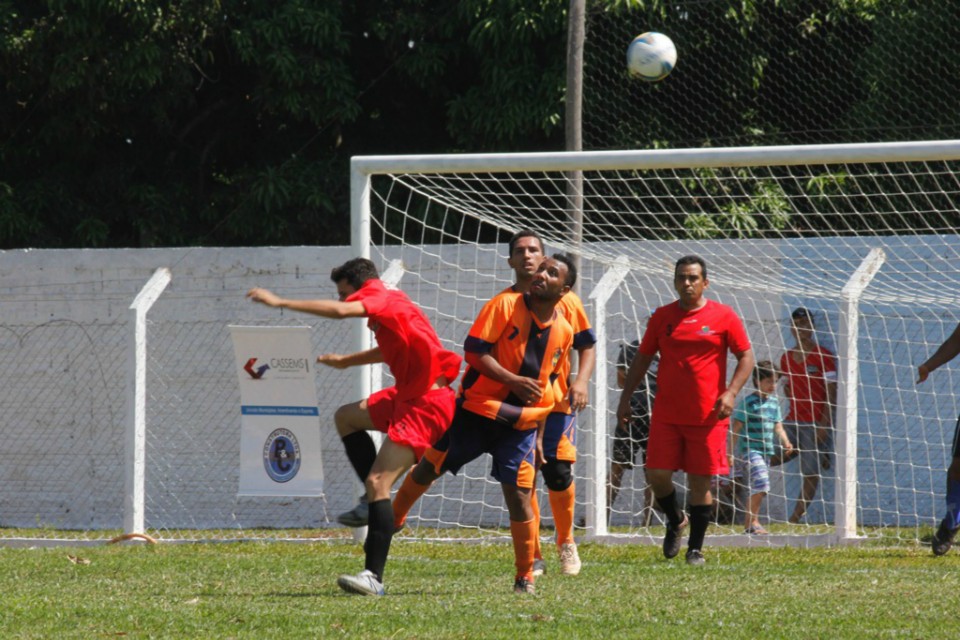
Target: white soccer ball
[{"x": 651, "y": 56}]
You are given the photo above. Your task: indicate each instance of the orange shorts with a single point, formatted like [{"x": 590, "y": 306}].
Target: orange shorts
[
  {"x": 696, "y": 449},
  {"x": 415, "y": 423}
]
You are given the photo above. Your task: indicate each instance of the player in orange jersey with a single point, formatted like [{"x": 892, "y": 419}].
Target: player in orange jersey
[
  {"x": 559, "y": 436},
  {"x": 515, "y": 351}
]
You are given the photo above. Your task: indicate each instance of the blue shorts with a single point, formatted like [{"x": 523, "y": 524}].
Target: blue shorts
[
  {"x": 471, "y": 435},
  {"x": 560, "y": 437},
  {"x": 753, "y": 466}
]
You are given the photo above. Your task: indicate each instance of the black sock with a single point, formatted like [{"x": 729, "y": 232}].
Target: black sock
[
  {"x": 361, "y": 452},
  {"x": 699, "y": 521},
  {"x": 379, "y": 535},
  {"x": 668, "y": 504}
]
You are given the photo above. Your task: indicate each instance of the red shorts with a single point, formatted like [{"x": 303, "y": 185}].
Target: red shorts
[
  {"x": 415, "y": 423},
  {"x": 700, "y": 450}
]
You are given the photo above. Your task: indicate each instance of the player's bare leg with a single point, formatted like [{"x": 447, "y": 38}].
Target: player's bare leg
[
  {"x": 807, "y": 492},
  {"x": 391, "y": 462}
]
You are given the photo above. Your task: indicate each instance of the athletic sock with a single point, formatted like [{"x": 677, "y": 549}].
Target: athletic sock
[
  {"x": 699, "y": 521},
  {"x": 379, "y": 535},
  {"x": 408, "y": 494},
  {"x": 953, "y": 503},
  {"x": 535, "y": 505},
  {"x": 668, "y": 504},
  {"x": 361, "y": 452},
  {"x": 523, "y": 534},
  {"x": 562, "y": 504}
]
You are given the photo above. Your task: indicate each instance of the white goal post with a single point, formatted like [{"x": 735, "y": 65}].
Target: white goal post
[{"x": 861, "y": 235}]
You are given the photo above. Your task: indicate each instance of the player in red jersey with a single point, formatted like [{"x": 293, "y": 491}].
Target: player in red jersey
[
  {"x": 811, "y": 388},
  {"x": 691, "y": 415},
  {"x": 525, "y": 250},
  {"x": 514, "y": 351},
  {"x": 413, "y": 414}
]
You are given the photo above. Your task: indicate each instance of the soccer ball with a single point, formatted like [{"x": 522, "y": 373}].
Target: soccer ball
[{"x": 651, "y": 56}]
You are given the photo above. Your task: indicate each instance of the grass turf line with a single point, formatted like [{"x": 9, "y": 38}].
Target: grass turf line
[{"x": 249, "y": 590}]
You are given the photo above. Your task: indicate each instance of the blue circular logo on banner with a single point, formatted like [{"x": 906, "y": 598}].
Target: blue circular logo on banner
[{"x": 281, "y": 455}]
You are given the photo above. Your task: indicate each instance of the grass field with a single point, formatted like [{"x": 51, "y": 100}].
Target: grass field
[{"x": 256, "y": 590}]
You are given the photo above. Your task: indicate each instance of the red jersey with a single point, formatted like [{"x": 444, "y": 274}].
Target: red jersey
[
  {"x": 508, "y": 331},
  {"x": 409, "y": 345},
  {"x": 807, "y": 384},
  {"x": 572, "y": 309},
  {"x": 693, "y": 349}
]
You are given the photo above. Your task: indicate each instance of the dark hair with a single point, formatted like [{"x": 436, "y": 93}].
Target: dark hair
[
  {"x": 567, "y": 259},
  {"x": 523, "y": 233},
  {"x": 763, "y": 370},
  {"x": 801, "y": 313},
  {"x": 691, "y": 259},
  {"x": 355, "y": 272}
]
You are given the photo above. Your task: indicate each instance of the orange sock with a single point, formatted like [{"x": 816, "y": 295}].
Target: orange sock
[
  {"x": 407, "y": 495},
  {"x": 536, "y": 527},
  {"x": 523, "y": 534},
  {"x": 562, "y": 504}
]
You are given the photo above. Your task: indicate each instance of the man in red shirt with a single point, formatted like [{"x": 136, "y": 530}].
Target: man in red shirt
[
  {"x": 413, "y": 414},
  {"x": 691, "y": 413},
  {"x": 810, "y": 372}
]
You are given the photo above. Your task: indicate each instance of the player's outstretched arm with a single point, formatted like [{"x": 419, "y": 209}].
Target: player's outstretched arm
[
  {"x": 947, "y": 352},
  {"x": 333, "y": 309},
  {"x": 341, "y": 361}
]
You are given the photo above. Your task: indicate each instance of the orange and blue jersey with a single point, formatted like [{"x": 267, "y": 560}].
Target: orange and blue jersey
[
  {"x": 572, "y": 309},
  {"x": 508, "y": 331},
  {"x": 583, "y": 336}
]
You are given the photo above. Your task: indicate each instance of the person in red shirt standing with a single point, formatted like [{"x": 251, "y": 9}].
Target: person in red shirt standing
[
  {"x": 413, "y": 414},
  {"x": 691, "y": 413},
  {"x": 810, "y": 372}
]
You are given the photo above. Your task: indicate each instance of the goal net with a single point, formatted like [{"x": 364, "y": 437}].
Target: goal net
[{"x": 862, "y": 236}]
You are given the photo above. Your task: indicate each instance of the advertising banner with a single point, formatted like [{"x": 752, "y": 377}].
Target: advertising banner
[{"x": 280, "y": 438}]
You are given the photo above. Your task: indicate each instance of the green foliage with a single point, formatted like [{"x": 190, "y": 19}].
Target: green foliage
[
  {"x": 145, "y": 123},
  {"x": 230, "y": 122}
]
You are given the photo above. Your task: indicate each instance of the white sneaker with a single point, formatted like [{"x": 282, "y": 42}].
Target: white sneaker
[
  {"x": 539, "y": 567},
  {"x": 356, "y": 517},
  {"x": 569, "y": 559},
  {"x": 364, "y": 583}
]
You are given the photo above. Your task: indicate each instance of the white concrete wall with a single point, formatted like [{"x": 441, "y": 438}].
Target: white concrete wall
[{"x": 63, "y": 334}]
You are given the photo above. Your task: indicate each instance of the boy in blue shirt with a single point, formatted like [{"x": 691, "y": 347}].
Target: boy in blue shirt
[{"x": 755, "y": 422}]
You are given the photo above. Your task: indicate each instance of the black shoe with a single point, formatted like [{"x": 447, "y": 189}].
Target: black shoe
[
  {"x": 695, "y": 558},
  {"x": 524, "y": 585},
  {"x": 943, "y": 539},
  {"x": 671, "y": 541}
]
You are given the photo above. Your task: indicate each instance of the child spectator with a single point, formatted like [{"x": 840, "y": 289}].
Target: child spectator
[{"x": 756, "y": 420}]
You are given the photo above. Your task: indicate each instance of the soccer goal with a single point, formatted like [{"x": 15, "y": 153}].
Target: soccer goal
[{"x": 861, "y": 235}]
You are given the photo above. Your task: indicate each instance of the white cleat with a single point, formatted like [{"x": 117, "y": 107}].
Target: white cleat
[
  {"x": 569, "y": 559},
  {"x": 364, "y": 584}
]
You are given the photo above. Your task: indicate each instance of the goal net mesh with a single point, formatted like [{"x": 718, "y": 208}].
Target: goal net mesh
[{"x": 775, "y": 238}]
